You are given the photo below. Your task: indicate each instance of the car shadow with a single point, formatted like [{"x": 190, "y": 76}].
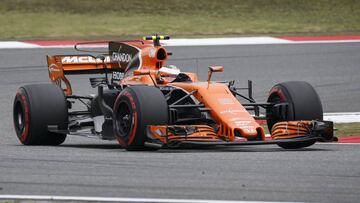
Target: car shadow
[
  {"x": 92, "y": 146},
  {"x": 240, "y": 149},
  {"x": 212, "y": 149}
]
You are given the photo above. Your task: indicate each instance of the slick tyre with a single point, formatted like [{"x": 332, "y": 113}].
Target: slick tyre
[
  {"x": 303, "y": 104},
  {"x": 35, "y": 108},
  {"x": 135, "y": 108}
]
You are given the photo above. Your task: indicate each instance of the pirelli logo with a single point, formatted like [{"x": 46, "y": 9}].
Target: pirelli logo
[{"x": 82, "y": 59}]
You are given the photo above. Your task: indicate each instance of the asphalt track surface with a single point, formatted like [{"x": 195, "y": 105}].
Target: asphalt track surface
[{"x": 90, "y": 167}]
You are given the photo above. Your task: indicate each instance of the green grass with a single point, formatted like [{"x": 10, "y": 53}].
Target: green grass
[
  {"x": 347, "y": 129},
  {"x": 72, "y": 19}
]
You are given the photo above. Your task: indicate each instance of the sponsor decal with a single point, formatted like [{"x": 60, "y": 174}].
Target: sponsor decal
[
  {"x": 166, "y": 88},
  {"x": 82, "y": 59},
  {"x": 54, "y": 68},
  {"x": 225, "y": 101},
  {"x": 152, "y": 53},
  {"x": 121, "y": 57},
  {"x": 232, "y": 111},
  {"x": 242, "y": 123},
  {"x": 122, "y": 54},
  {"x": 117, "y": 75},
  {"x": 235, "y": 119},
  {"x": 249, "y": 129}
]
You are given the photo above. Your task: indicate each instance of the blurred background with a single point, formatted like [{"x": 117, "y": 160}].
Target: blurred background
[{"x": 105, "y": 19}]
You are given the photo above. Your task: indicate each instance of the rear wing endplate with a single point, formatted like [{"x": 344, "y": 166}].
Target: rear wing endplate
[{"x": 61, "y": 65}]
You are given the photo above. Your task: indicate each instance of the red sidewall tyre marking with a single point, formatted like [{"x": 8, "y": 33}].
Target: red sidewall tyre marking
[
  {"x": 134, "y": 127},
  {"x": 25, "y": 106},
  {"x": 132, "y": 134},
  {"x": 278, "y": 92}
]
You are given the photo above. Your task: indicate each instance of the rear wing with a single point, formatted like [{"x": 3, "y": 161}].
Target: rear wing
[
  {"x": 121, "y": 55},
  {"x": 61, "y": 65},
  {"x": 79, "y": 64}
]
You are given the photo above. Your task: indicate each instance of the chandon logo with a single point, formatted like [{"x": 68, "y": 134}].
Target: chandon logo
[{"x": 121, "y": 57}]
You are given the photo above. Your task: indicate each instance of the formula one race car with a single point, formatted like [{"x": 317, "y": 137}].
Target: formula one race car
[{"x": 145, "y": 104}]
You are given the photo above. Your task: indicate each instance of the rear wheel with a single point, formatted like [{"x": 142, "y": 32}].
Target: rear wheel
[
  {"x": 35, "y": 108},
  {"x": 135, "y": 108},
  {"x": 303, "y": 104}
]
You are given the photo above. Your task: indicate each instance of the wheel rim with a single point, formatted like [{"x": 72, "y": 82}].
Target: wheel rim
[
  {"x": 124, "y": 119},
  {"x": 19, "y": 117}
]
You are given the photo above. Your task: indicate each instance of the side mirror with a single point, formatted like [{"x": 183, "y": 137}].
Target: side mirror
[
  {"x": 142, "y": 72},
  {"x": 216, "y": 68},
  {"x": 213, "y": 69}
]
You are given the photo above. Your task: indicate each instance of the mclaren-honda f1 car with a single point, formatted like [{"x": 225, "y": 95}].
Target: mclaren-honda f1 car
[{"x": 143, "y": 103}]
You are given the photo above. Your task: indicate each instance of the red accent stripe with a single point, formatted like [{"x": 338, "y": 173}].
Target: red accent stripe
[
  {"x": 321, "y": 38},
  {"x": 350, "y": 139}
]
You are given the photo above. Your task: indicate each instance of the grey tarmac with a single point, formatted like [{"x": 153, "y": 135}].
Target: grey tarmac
[{"x": 90, "y": 167}]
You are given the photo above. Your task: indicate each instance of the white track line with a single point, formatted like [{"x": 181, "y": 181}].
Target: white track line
[
  {"x": 343, "y": 117},
  {"x": 115, "y": 199},
  {"x": 244, "y": 41},
  {"x": 17, "y": 45},
  {"x": 224, "y": 41},
  {"x": 186, "y": 42}
]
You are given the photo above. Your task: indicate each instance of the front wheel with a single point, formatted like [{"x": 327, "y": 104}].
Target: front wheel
[
  {"x": 303, "y": 103},
  {"x": 135, "y": 108}
]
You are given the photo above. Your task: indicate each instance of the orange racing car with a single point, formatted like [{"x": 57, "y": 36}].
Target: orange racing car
[{"x": 143, "y": 103}]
